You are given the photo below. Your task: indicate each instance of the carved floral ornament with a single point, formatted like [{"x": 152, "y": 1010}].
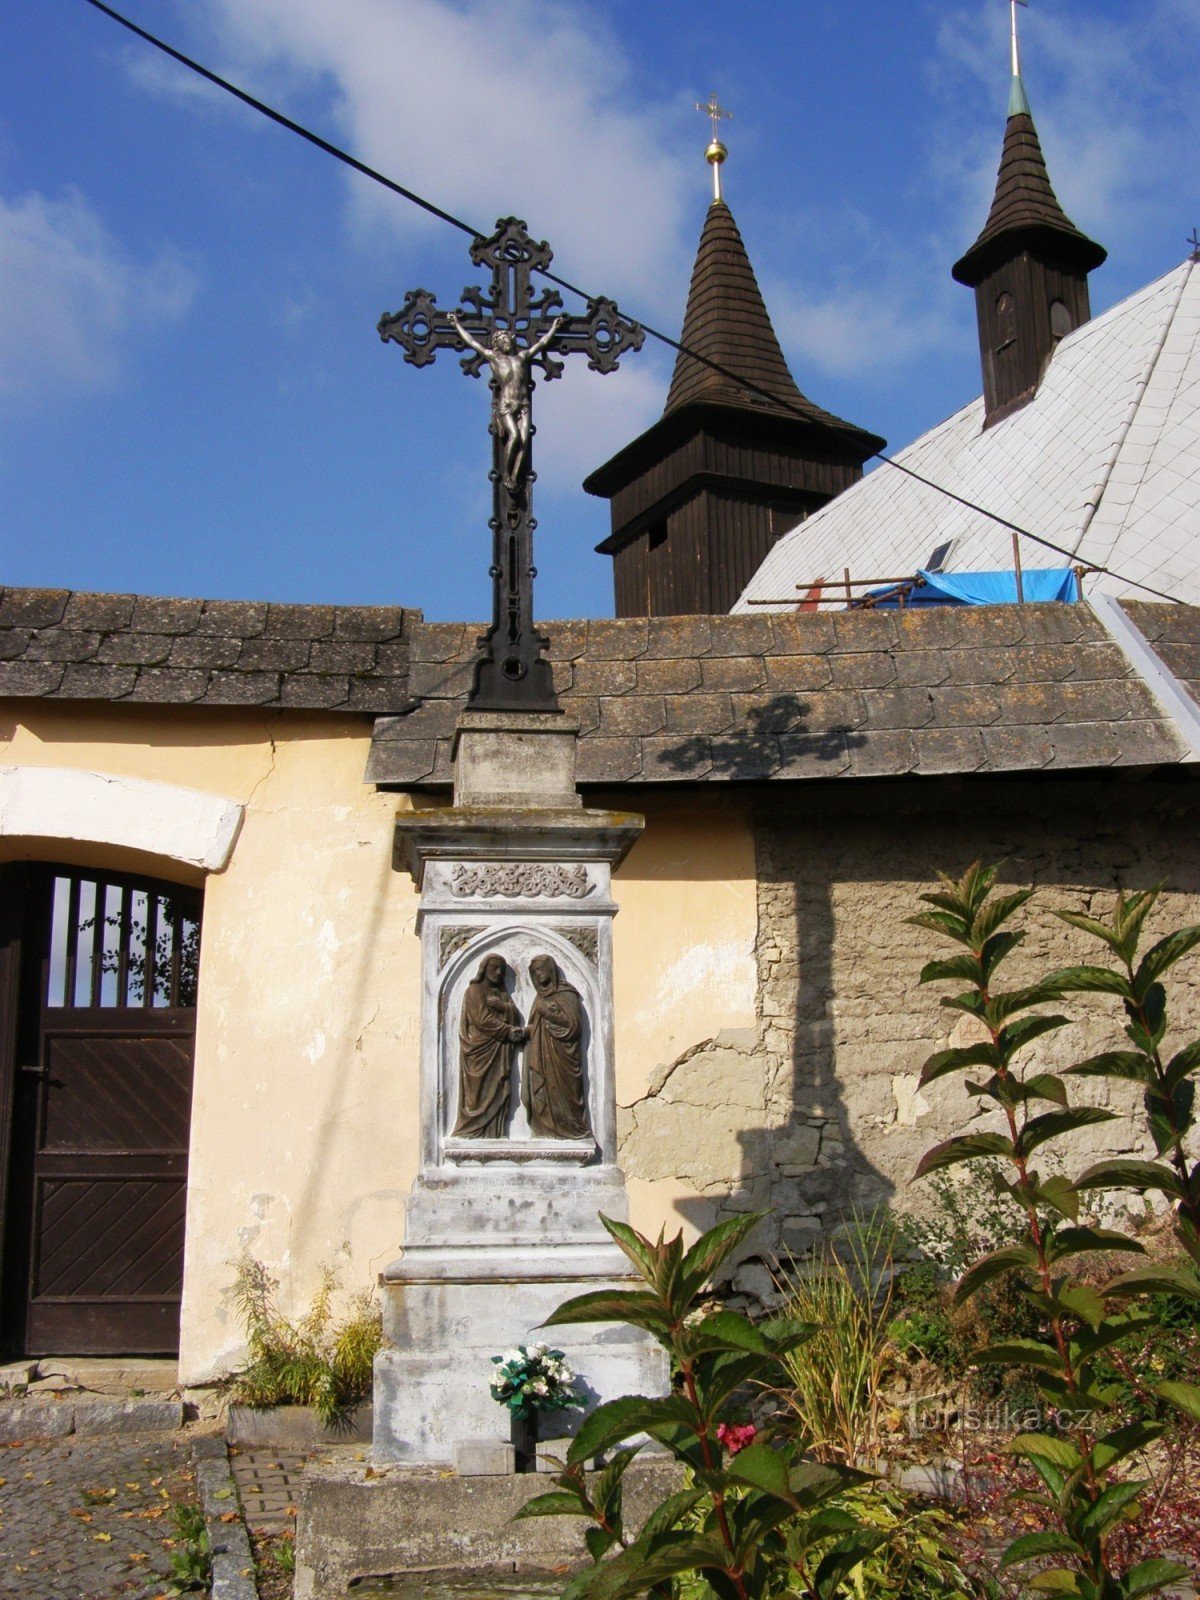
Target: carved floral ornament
[
  {"x": 521, "y": 881},
  {"x": 452, "y": 941},
  {"x": 585, "y": 940}
]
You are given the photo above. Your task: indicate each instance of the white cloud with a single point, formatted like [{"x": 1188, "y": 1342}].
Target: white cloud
[
  {"x": 73, "y": 298},
  {"x": 169, "y": 80},
  {"x": 492, "y": 107},
  {"x": 854, "y": 330},
  {"x": 585, "y": 417}
]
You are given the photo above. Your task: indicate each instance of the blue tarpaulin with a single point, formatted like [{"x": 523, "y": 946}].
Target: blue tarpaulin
[{"x": 1039, "y": 584}]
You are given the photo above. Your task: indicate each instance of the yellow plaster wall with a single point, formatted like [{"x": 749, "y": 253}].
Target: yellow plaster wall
[
  {"x": 683, "y": 958},
  {"x": 305, "y": 1118},
  {"x": 683, "y": 940},
  {"x": 304, "y": 1125}
]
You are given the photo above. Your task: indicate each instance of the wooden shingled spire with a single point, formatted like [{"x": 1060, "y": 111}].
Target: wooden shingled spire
[
  {"x": 738, "y": 458},
  {"x": 726, "y": 322},
  {"x": 1029, "y": 267},
  {"x": 1025, "y": 208}
]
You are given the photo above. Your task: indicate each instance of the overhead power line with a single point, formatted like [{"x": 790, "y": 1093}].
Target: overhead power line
[
  {"x": 286, "y": 122},
  {"x": 416, "y": 199}
]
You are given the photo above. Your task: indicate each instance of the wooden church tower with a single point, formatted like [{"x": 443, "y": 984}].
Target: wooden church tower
[
  {"x": 739, "y": 456},
  {"x": 1029, "y": 267}
]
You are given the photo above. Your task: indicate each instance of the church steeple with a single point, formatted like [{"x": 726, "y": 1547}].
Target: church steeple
[
  {"x": 726, "y": 323},
  {"x": 740, "y": 454},
  {"x": 1029, "y": 267}
]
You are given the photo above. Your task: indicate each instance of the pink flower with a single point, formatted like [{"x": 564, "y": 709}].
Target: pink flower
[{"x": 736, "y": 1436}]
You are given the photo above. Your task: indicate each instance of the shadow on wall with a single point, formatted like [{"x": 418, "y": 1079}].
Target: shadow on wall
[
  {"x": 773, "y": 735},
  {"x": 755, "y": 1119},
  {"x": 822, "y": 1101},
  {"x": 808, "y": 1161}
]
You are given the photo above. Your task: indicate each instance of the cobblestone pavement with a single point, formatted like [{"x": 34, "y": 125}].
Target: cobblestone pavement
[
  {"x": 89, "y": 1518},
  {"x": 268, "y": 1482}
]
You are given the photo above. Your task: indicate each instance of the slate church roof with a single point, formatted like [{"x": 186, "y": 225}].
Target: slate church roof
[{"x": 1104, "y": 461}]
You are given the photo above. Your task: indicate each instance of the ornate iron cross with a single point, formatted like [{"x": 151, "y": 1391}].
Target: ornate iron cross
[{"x": 512, "y": 330}]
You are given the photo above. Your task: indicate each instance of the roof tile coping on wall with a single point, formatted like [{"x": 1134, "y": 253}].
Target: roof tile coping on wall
[
  {"x": 812, "y": 695},
  {"x": 1173, "y": 633},
  {"x": 659, "y": 700},
  {"x": 59, "y": 644}
]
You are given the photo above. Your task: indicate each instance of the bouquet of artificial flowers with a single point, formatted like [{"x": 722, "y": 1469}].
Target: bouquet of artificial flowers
[{"x": 532, "y": 1377}]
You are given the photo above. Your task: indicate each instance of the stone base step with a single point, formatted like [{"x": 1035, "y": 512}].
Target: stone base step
[
  {"x": 358, "y": 1523},
  {"x": 127, "y": 1376},
  {"x": 39, "y": 1418},
  {"x": 293, "y": 1428}
]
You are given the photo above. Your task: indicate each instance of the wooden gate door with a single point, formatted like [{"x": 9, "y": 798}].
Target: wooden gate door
[{"x": 101, "y": 1115}]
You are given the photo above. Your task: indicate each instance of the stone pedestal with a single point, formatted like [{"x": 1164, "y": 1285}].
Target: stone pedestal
[{"x": 501, "y": 1229}]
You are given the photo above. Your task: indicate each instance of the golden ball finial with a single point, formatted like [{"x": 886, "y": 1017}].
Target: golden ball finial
[{"x": 716, "y": 152}]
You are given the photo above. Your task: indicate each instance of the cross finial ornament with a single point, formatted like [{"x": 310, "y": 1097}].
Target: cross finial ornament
[
  {"x": 1194, "y": 241},
  {"x": 716, "y": 111},
  {"x": 716, "y": 152},
  {"x": 512, "y": 330},
  {"x": 1016, "y": 37}
]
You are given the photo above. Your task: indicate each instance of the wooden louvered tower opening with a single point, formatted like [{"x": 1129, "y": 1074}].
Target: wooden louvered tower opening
[{"x": 98, "y": 976}]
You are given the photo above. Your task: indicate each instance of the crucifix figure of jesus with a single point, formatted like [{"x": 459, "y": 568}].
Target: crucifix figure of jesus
[
  {"x": 512, "y": 390},
  {"x": 512, "y": 329}
]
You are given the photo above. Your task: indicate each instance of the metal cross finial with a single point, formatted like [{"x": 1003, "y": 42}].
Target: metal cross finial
[
  {"x": 511, "y": 330},
  {"x": 1016, "y": 37},
  {"x": 716, "y": 152},
  {"x": 716, "y": 111},
  {"x": 1194, "y": 241}
]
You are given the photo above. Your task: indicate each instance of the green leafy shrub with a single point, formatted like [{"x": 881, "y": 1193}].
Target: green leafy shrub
[
  {"x": 753, "y": 1519},
  {"x": 322, "y": 1360},
  {"x": 963, "y": 1222},
  {"x": 912, "y": 1561},
  {"x": 922, "y": 1325},
  {"x": 1165, "y": 1350},
  {"x": 1085, "y": 1500}
]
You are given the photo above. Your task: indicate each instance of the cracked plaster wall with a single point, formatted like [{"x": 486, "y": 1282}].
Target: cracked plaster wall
[
  {"x": 304, "y": 1128},
  {"x": 683, "y": 972},
  {"x": 816, "y": 1108}
]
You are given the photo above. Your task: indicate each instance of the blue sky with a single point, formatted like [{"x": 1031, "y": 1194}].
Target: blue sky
[{"x": 193, "y": 399}]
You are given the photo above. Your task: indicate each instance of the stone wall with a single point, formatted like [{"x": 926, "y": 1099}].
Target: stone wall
[{"x": 818, "y": 1109}]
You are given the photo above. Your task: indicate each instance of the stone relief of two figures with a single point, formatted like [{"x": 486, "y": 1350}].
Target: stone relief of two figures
[{"x": 490, "y": 1033}]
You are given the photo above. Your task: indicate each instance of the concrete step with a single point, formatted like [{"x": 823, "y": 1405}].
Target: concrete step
[
  {"x": 130, "y": 1377},
  {"x": 293, "y": 1428},
  {"x": 46, "y": 1418}
]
